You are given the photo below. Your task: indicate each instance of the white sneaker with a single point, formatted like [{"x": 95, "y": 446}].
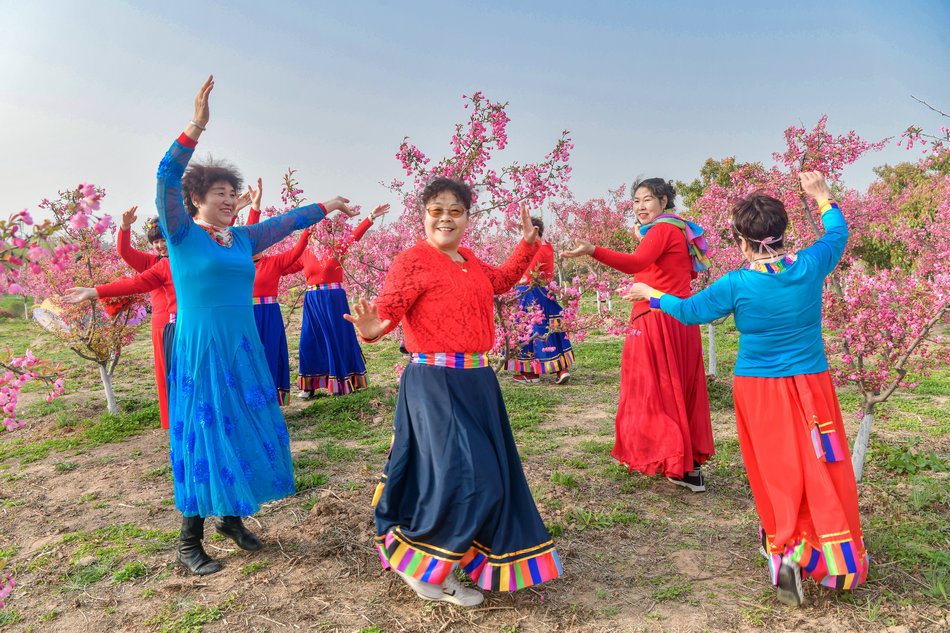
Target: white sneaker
[
  {"x": 304, "y": 395},
  {"x": 450, "y": 591},
  {"x": 453, "y": 591}
]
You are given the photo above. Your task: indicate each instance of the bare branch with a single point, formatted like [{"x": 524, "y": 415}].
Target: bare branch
[{"x": 922, "y": 102}]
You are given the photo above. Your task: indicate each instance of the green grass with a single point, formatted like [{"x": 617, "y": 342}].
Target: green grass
[
  {"x": 130, "y": 572},
  {"x": 191, "y": 621}
]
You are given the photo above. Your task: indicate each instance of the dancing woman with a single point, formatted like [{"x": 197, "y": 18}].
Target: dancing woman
[
  {"x": 330, "y": 356},
  {"x": 663, "y": 422},
  {"x": 550, "y": 351},
  {"x": 230, "y": 450},
  {"x": 790, "y": 429},
  {"x": 453, "y": 491},
  {"x": 267, "y": 314}
]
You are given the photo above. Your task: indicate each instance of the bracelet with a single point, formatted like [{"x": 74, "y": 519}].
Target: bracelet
[{"x": 200, "y": 127}]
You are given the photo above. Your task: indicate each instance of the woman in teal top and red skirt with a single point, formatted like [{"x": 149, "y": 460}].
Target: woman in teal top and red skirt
[{"x": 790, "y": 429}]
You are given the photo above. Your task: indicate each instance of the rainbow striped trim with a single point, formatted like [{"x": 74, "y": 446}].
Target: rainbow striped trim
[
  {"x": 336, "y": 285},
  {"x": 172, "y": 317},
  {"x": 563, "y": 361},
  {"x": 263, "y": 300},
  {"x": 282, "y": 397},
  {"x": 508, "y": 572},
  {"x": 455, "y": 361},
  {"x": 838, "y": 562},
  {"x": 332, "y": 384},
  {"x": 655, "y": 297},
  {"x": 824, "y": 439},
  {"x": 775, "y": 267}
]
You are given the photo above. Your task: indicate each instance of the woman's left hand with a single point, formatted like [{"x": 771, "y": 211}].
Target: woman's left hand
[
  {"x": 339, "y": 203},
  {"x": 638, "y": 292},
  {"x": 378, "y": 212},
  {"x": 529, "y": 232}
]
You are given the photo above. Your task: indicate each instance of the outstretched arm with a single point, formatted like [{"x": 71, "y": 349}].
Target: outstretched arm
[
  {"x": 288, "y": 258},
  {"x": 138, "y": 260},
  {"x": 171, "y": 209},
  {"x": 273, "y": 230}
]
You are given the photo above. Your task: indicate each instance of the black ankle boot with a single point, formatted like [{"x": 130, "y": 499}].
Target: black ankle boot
[
  {"x": 233, "y": 528},
  {"x": 190, "y": 552}
]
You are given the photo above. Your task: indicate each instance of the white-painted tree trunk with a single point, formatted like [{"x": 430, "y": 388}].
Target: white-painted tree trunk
[
  {"x": 711, "y": 349},
  {"x": 860, "y": 449},
  {"x": 26, "y": 308},
  {"x": 106, "y": 378}
]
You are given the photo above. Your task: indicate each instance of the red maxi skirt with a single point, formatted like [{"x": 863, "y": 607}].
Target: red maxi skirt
[
  {"x": 159, "y": 319},
  {"x": 663, "y": 420},
  {"x": 796, "y": 455}
]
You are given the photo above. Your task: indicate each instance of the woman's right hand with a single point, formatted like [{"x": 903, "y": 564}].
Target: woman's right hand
[
  {"x": 814, "y": 185},
  {"x": 128, "y": 219},
  {"x": 365, "y": 317},
  {"x": 583, "y": 248},
  {"x": 78, "y": 294}
]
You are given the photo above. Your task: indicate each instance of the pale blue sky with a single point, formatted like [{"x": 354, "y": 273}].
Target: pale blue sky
[{"x": 96, "y": 91}]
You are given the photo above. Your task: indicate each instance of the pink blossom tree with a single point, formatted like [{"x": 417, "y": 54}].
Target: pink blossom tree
[{"x": 26, "y": 249}]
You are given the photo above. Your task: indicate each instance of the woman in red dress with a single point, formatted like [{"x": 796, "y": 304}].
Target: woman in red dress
[{"x": 663, "y": 422}]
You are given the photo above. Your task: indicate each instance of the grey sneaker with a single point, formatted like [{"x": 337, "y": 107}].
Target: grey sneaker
[
  {"x": 304, "y": 395},
  {"x": 789, "y": 589},
  {"x": 693, "y": 480},
  {"x": 454, "y": 592}
]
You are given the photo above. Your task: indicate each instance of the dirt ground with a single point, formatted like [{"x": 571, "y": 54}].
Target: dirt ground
[{"x": 648, "y": 556}]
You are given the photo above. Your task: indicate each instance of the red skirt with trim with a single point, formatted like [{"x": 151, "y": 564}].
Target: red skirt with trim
[
  {"x": 796, "y": 456},
  {"x": 159, "y": 320},
  {"x": 663, "y": 422}
]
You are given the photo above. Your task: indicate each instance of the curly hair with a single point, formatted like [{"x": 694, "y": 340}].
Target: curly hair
[
  {"x": 658, "y": 187},
  {"x": 436, "y": 186},
  {"x": 759, "y": 216},
  {"x": 199, "y": 179}
]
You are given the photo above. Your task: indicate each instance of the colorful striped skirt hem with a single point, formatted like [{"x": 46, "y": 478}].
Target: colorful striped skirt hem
[
  {"x": 561, "y": 362},
  {"x": 332, "y": 384},
  {"x": 836, "y": 561},
  {"x": 454, "y": 361}
]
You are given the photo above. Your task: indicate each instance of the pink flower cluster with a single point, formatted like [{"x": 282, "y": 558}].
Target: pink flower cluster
[{"x": 19, "y": 371}]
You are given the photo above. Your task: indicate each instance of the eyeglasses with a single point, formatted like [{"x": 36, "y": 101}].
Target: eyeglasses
[{"x": 438, "y": 212}]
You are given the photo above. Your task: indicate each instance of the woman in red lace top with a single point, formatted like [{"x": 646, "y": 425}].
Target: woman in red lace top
[{"x": 453, "y": 492}]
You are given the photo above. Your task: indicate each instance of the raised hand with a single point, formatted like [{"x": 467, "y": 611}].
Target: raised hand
[
  {"x": 529, "y": 232},
  {"x": 814, "y": 185},
  {"x": 251, "y": 197},
  {"x": 202, "y": 113},
  {"x": 583, "y": 248},
  {"x": 365, "y": 317},
  {"x": 128, "y": 219},
  {"x": 339, "y": 204},
  {"x": 638, "y": 292},
  {"x": 78, "y": 294},
  {"x": 379, "y": 211}
]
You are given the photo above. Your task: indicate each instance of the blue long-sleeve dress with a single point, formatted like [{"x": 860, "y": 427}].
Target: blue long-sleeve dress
[{"x": 230, "y": 450}]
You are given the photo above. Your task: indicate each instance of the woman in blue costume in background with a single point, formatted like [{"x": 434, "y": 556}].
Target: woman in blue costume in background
[{"x": 230, "y": 450}]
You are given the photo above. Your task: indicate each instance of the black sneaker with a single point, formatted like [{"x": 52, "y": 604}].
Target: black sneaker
[
  {"x": 789, "y": 590},
  {"x": 693, "y": 480}
]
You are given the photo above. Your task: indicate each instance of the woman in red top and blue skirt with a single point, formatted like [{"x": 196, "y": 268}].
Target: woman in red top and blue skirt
[
  {"x": 453, "y": 492},
  {"x": 267, "y": 314},
  {"x": 330, "y": 356},
  {"x": 663, "y": 424},
  {"x": 790, "y": 429},
  {"x": 549, "y": 351}
]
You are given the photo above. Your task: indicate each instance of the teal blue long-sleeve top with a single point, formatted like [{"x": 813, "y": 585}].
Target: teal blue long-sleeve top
[{"x": 778, "y": 314}]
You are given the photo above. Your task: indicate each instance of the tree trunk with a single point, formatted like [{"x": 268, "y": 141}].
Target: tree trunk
[
  {"x": 106, "y": 377},
  {"x": 860, "y": 449},
  {"x": 712, "y": 371},
  {"x": 26, "y": 308}
]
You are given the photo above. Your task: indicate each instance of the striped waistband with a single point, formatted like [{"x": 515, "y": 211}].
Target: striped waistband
[
  {"x": 336, "y": 285},
  {"x": 455, "y": 361},
  {"x": 259, "y": 300},
  {"x": 172, "y": 317}
]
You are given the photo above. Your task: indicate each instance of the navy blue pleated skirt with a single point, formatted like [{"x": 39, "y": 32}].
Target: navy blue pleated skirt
[
  {"x": 270, "y": 325},
  {"x": 454, "y": 492},
  {"x": 330, "y": 355}
]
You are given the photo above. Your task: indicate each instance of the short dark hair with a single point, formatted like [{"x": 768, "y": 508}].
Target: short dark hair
[
  {"x": 658, "y": 187},
  {"x": 153, "y": 232},
  {"x": 436, "y": 186},
  {"x": 198, "y": 179},
  {"x": 538, "y": 222},
  {"x": 759, "y": 216}
]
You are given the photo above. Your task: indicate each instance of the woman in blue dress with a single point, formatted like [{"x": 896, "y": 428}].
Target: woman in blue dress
[{"x": 230, "y": 450}]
